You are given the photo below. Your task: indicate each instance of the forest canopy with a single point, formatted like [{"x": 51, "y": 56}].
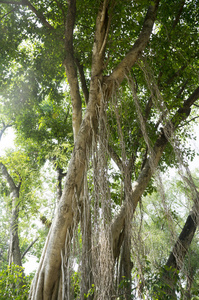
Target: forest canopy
[{"x": 102, "y": 96}]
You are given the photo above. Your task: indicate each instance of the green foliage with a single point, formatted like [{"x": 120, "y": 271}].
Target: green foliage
[
  {"x": 75, "y": 285},
  {"x": 159, "y": 287},
  {"x": 13, "y": 284},
  {"x": 90, "y": 292}
]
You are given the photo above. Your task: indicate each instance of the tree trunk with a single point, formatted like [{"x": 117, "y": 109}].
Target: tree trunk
[{"x": 14, "y": 254}]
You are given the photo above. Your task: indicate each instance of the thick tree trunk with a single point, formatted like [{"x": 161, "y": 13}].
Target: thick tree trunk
[{"x": 46, "y": 281}]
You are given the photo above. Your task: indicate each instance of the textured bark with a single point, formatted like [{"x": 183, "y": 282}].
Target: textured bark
[{"x": 83, "y": 80}]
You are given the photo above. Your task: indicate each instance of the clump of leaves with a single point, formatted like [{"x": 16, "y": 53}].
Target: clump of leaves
[{"x": 13, "y": 283}]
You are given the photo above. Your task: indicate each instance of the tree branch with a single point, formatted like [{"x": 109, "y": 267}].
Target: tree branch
[
  {"x": 38, "y": 14},
  {"x": 188, "y": 122},
  {"x": 101, "y": 33},
  {"x": 27, "y": 249},
  {"x": 126, "y": 64},
  {"x": 8, "y": 13},
  {"x": 178, "y": 14},
  {"x": 180, "y": 249},
  {"x": 185, "y": 238},
  {"x": 33, "y": 9},
  {"x": 4, "y": 128}
]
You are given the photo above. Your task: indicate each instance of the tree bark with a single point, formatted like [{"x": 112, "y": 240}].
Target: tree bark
[{"x": 14, "y": 254}]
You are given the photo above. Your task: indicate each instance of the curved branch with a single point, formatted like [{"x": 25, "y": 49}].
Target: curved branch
[
  {"x": 119, "y": 72},
  {"x": 4, "y": 16},
  {"x": 4, "y": 128}
]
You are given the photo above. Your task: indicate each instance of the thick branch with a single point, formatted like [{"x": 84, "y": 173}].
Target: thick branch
[
  {"x": 126, "y": 64},
  {"x": 180, "y": 249}
]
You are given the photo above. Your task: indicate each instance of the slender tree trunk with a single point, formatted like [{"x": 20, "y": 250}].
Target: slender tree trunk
[{"x": 14, "y": 254}]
